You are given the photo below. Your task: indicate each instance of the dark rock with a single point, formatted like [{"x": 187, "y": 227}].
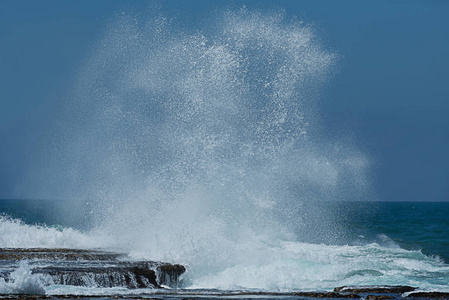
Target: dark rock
[
  {"x": 169, "y": 274},
  {"x": 325, "y": 295},
  {"x": 90, "y": 268},
  {"x": 144, "y": 277},
  {"x": 118, "y": 274},
  {"x": 376, "y": 289},
  {"x": 429, "y": 295},
  {"x": 379, "y": 297},
  {"x": 56, "y": 254}
]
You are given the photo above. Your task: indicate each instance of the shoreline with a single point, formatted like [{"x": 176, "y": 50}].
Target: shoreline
[
  {"x": 369, "y": 293},
  {"x": 148, "y": 279}
]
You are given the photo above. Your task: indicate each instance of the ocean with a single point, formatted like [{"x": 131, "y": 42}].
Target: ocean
[
  {"x": 385, "y": 243},
  {"x": 204, "y": 147}
]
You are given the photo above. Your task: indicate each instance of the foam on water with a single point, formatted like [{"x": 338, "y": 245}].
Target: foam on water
[
  {"x": 17, "y": 234},
  {"x": 316, "y": 267},
  {"x": 22, "y": 282},
  {"x": 283, "y": 266},
  {"x": 201, "y": 147}
]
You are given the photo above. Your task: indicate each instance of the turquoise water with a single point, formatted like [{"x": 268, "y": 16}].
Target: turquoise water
[
  {"x": 420, "y": 226},
  {"x": 413, "y": 226}
]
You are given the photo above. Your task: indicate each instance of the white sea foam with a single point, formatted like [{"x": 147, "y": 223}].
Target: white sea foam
[
  {"x": 17, "y": 234},
  {"x": 22, "y": 282},
  {"x": 232, "y": 264},
  {"x": 323, "y": 267}
]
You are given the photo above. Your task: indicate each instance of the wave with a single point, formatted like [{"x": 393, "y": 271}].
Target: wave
[
  {"x": 17, "y": 234},
  {"x": 203, "y": 147},
  {"x": 323, "y": 267},
  {"x": 22, "y": 282},
  {"x": 281, "y": 266}
]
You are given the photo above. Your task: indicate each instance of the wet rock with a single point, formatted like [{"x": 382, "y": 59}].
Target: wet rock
[
  {"x": 119, "y": 274},
  {"x": 56, "y": 254},
  {"x": 90, "y": 268},
  {"x": 379, "y": 297},
  {"x": 429, "y": 295},
  {"x": 168, "y": 274},
  {"x": 326, "y": 295},
  {"x": 376, "y": 289}
]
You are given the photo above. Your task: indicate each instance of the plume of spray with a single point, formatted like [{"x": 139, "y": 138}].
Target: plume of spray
[{"x": 201, "y": 148}]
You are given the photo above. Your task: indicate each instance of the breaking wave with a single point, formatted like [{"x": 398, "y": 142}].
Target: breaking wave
[{"x": 204, "y": 147}]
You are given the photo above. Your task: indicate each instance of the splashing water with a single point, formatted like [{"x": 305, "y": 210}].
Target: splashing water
[
  {"x": 22, "y": 282},
  {"x": 202, "y": 148}
]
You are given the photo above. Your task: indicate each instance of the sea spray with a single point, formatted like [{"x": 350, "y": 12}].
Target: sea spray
[
  {"x": 16, "y": 234},
  {"x": 22, "y": 281},
  {"x": 203, "y": 147}
]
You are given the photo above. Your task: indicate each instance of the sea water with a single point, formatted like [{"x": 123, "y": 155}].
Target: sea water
[
  {"x": 387, "y": 243},
  {"x": 204, "y": 147}
]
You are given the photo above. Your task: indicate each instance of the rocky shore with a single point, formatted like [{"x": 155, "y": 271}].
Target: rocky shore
[
  {"x": 89, "y": 268},
  {"x": 95, "y": 268},
  {"x": 369, "y": 294}
]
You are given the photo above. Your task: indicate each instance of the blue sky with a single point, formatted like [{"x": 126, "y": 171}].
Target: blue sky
[{"x": 391, "y": 91}]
